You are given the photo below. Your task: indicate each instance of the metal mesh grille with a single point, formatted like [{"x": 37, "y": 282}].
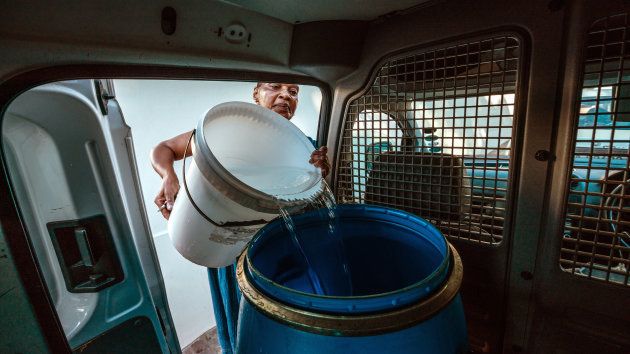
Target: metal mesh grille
[
  {"x": 433, "y": 136},
  {"x": 596, "y": 239}
]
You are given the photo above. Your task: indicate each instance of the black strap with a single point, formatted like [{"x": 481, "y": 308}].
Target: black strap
[{"x": 227, "y": 224}]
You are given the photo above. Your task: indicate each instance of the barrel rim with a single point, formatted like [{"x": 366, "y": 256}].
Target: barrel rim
[
  {"x": 354, "y": 325},
  {"x": 226, "y": 182},
  {"x": 438, "y": 270},
  {"x": 442, "y": 268}
]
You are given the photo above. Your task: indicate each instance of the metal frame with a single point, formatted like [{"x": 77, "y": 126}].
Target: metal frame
[
  {"x": 395, "y": 87},
  {"x": 592, "y": 243}
]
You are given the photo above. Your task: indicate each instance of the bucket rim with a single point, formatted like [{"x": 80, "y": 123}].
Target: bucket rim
[
  {"x": 228, "y": 184},
  {"x": 412, "y": 292}
]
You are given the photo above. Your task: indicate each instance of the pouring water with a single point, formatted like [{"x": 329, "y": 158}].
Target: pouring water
[{"x": 326, "y": 204}]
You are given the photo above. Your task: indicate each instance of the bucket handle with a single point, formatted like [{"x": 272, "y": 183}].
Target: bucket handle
[{"x": 227, "y": 224}]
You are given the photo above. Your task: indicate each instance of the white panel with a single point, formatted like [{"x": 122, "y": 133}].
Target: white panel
[{"x": 130, "y": 32}]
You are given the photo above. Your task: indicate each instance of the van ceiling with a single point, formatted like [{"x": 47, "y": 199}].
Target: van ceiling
[{"x": 322, "y": 10}]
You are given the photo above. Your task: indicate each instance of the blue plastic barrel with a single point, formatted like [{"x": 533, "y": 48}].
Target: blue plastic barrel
[{"x": 402, "y": 295}]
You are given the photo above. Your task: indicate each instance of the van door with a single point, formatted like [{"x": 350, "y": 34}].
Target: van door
[
  {"x": 71, "y": 167},
  {"x": 582, "y": 296}
]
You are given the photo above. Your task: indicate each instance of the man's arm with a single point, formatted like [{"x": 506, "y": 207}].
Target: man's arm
[{"x": 163, "y": 155}]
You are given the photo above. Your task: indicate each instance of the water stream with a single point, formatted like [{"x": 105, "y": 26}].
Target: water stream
[
  {"x": 312, "y": 275},
  {"x": 326, "y": 205}
]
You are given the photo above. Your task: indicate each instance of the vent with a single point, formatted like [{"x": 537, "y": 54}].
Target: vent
[
  {"x": 432, "y": 135},
  {"x": 596, "y": 239}
]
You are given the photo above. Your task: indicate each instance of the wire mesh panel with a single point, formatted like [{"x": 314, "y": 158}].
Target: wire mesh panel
[
  {"x": 433, "y": 135},
  {"x": 596, "y": 239}
]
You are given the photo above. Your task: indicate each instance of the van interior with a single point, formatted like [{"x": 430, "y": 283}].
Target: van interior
[{"x": 505, "y": 124}]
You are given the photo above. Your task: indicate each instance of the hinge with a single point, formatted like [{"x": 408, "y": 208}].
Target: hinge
[{"x": 104, "y": 93}]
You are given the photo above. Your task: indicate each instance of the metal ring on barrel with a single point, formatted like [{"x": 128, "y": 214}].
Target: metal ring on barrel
[{"x": 354, "y": 325}]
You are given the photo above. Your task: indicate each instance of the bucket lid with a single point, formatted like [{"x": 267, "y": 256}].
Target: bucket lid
[{"x": 256, "y": 157}]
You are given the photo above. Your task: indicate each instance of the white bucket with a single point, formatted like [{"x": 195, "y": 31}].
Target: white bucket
[{"x": 248, "y": 161}]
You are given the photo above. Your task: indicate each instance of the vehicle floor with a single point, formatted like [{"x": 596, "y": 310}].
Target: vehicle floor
[{"x": 206, "y": 343}]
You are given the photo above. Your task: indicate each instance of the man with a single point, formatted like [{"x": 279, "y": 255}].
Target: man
[{"x": 281, "y": 98}]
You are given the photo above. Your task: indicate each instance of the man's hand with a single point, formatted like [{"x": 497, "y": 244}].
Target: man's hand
[
  {"x": 167, "y": 194},
  {"x": 319, "y": 159}
]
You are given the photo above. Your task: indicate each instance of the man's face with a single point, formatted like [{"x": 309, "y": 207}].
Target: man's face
[{"x": 280, "y": 98}]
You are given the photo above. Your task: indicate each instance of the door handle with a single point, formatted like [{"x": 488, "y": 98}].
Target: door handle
[
  {"x": 87, "y": 254},
  {"x": 80, "y": 235}
]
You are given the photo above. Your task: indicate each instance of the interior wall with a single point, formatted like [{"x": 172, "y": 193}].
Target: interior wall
[{"x": 160, "y": 109}]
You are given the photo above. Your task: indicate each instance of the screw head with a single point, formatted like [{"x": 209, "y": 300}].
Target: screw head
[{"x": 542, "y": 155}]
